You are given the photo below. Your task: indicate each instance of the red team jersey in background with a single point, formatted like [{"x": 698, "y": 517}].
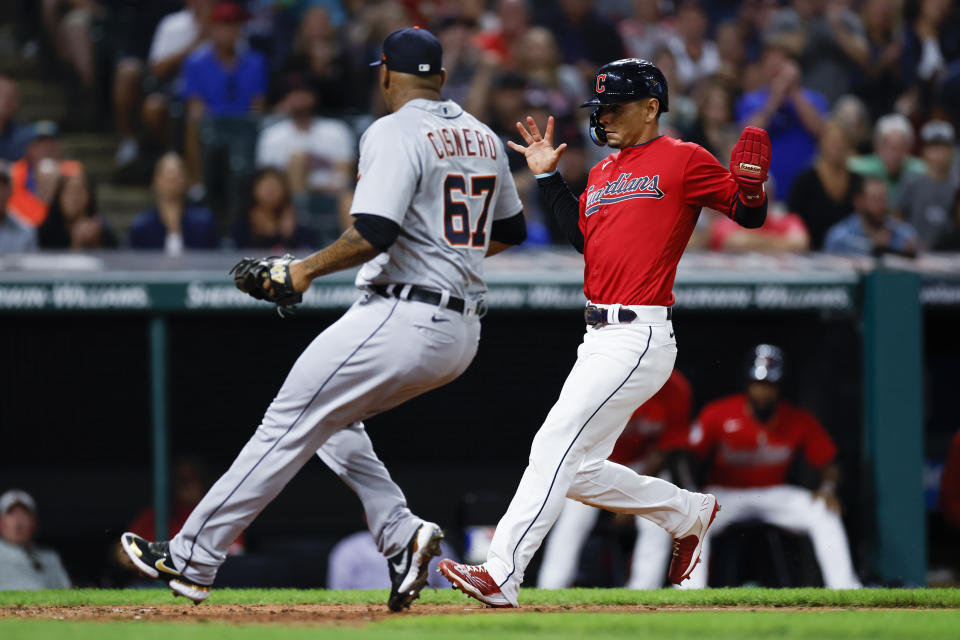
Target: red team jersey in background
[
  {"x": 661, "y": 420},
  {"x": 637, "y": 215},
  {"x": 747, "y": 454}
]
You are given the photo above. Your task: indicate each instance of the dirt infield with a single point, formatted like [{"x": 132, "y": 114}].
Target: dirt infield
[{"x": 315, "y": 614}]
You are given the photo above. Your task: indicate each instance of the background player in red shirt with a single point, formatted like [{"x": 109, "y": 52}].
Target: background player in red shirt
[
  {"x": 631, "y": 223},
  {"x": 660, "y": 423},
  {"x": 749, "y": 441}
]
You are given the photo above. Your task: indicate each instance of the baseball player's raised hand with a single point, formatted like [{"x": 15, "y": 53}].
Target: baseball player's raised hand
[{"x": 539, "y": 152}]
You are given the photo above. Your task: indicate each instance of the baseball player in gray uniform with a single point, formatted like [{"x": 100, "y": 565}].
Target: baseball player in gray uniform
[{"x": 433, "y": 198}]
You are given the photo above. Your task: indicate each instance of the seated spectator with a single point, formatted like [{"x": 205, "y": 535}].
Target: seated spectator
[
  {"x": 74, "y": 221},
  {"x": 880, "y": 83},
  {"x": 925, "y": 200},
  {"x": 173, "y": 224},
  {"x": 23, "y": 565},
  {"x": 317, "y": 153},
  {"x": 891, "y": 160},
  {"x": 732, "y": 50},
  {"x": 647, "y": 30},
  {"x": 714, "y": 129},
  {"x": 221, "y": 81},
  {"x": 269, "y": 221},
  {"x": 127, "y": 28},
  {"x": 748, "y": 442},
  {"x": 782, "y": 232},
  {"x": 177, "y": 36},
  {"x": 356, "y": 563},
  {"x": 871, "y": 230},
  {"x": 696, "y": 55},
  {"x": 791, "y": 114},
  {"x": 829, "y": 41},
  {"x": 513, "y": 20},
  {"x": 35, "y": 176},
  {"x": 15, "y": 237},
  {"x": 13, "y": 135},
  {"x": 823, "y": 194},
  {"x": 683, "y": 110},
  {"x": 851, "y": 114},
  {"x": 537, "y": 57},
  {"x": 586, "y": 39},
  {"x": 320, "y": 64}
]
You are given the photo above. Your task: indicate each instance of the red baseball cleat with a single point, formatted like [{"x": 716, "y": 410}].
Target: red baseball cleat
[
  {"x": 474, "y": 581},
  {"x": 686, "y": 548}
]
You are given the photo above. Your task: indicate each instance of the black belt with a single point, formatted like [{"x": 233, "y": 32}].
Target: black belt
[
  {"x": 418, "y": 294},
  {"x": 600, "y": 315}
]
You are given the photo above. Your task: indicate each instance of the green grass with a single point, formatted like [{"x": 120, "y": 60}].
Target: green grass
[
  {"x": 698, "y": 625},
  {"x": 906, "y": 614},
  {"x": 742, "y": 597}
]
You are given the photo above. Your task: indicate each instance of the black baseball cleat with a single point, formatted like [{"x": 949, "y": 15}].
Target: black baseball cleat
[
  {"x": 153, "y": 559},
  {"x": 408, "y": 569}
]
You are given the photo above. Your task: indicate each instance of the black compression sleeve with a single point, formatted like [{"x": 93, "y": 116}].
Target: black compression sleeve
[
  {"x": 512, "y": 230},
  {"x": 556, "y": 196},
  {"x": 379, "y": 231},
  {"x": 749, "y": 217}
]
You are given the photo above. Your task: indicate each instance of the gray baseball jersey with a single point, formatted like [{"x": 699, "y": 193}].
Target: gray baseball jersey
[{"x": 443, "y": 176}]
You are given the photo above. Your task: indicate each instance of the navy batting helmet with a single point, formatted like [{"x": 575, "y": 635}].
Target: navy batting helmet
[
  {"x": 624, "y": 81},
  {"x": 765, "y": 364}
]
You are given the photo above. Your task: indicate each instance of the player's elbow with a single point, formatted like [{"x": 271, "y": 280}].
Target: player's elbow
[{"x": 512, "y": 230}]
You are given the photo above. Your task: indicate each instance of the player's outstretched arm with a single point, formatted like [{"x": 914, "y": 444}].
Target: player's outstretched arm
[
  {"x": 349, "y": 250},
  {"x": 539, "y": 152}
]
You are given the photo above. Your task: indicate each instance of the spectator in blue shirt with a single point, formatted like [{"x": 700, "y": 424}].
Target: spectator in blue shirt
[
  {"x": 792, "y": 115},
  {"x": 221, "y": 80},
  {"x": 173, "y": 224},
  {"x": 871, "y": 230}
]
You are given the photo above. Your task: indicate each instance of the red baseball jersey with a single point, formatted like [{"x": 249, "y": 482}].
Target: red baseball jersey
[
  {"x": 659, "y": 423},
  {"x": 638, "y": 213},
  {"x": 746, "y": 453}
]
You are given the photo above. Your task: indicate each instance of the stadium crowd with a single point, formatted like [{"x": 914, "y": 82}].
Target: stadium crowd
[{"x": 246, "y": 115}]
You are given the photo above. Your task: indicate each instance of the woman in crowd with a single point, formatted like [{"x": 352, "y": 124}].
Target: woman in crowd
[
  {"x": 823, "y": 194},
  {"x": 269, "y": 221},
  {"x": 74, "y": 220}
]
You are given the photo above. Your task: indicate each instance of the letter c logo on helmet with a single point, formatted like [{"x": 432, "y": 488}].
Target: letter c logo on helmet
[{"x": 600, "y": 80}]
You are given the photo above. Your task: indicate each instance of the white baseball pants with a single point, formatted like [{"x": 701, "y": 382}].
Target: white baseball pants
[
  {"x": 561, "y": 555},
  {"x": 380, "y": 353},
  {"x": 618, "y": 368},
  {"x": 792, "y": 508}
]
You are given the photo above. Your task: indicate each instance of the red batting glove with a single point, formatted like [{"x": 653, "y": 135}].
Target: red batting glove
[{"x": 749, "y": 164}]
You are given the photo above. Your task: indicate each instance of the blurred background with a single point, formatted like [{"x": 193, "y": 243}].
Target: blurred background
[{"x": 146, "y": 145}]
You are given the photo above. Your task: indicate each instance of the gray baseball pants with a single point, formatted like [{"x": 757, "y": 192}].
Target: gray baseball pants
[{"x": 379, "y": 354}]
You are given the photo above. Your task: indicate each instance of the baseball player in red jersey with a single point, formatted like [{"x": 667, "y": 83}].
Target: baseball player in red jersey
[
  {"x": 660, "y": 424},
  {"x": 631, "y": 224},
  {"x": 750, "y": 440}
]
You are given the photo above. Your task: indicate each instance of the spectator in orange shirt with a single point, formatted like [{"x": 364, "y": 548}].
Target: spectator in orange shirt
[{"x": 35, "y": 176}]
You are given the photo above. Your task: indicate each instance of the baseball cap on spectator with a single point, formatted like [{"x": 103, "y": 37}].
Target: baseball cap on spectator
[
  {"x": 228, "y": 12},
  {"x": 44, "y": 129},
  {"x": 15, "y": 497},
  {"x": 413, "y": 50},
  {"x": 937, "y": 132}
]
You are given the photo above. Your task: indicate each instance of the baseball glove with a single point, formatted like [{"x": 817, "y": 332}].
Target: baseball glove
[{"x": 268, "y": 279}]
